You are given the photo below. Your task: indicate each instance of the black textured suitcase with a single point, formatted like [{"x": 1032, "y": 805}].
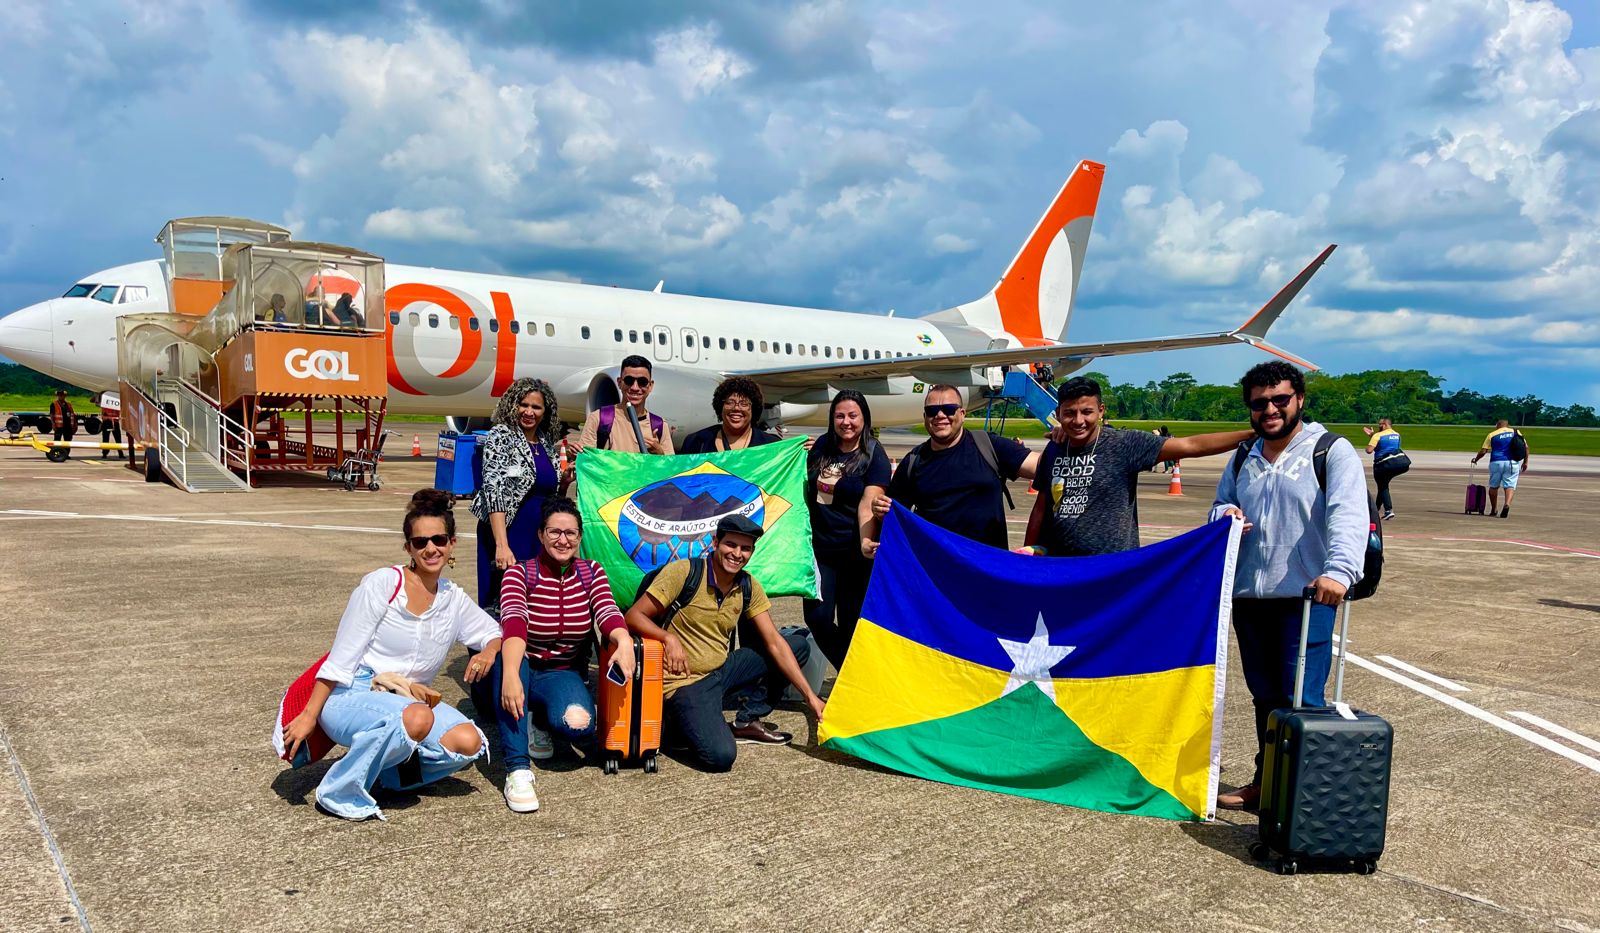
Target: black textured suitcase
[{"x": 1324, "y": 777}]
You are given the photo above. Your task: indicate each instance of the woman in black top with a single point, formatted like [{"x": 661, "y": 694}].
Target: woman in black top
[
  {"x": 738, "y": 404},
  {"x": 842, "y": 464}
]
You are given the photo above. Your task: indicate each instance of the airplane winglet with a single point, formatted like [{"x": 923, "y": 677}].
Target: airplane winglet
[
  {"x": 1260, "y": 344},
  {"x": 1263, "y": 319}
]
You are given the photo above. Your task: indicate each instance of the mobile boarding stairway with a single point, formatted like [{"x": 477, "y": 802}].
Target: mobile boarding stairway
[{"x": 265, "y": 335}]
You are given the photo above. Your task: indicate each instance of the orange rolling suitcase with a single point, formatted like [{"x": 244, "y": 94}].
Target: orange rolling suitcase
[{"x": 631, "y": 714}]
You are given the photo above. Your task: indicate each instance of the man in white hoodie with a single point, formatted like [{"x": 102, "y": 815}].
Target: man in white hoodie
[{"x": 1305, "y": 526}]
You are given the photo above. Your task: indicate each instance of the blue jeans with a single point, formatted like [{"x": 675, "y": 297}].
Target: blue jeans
[
  {"x": 1269, "y": 639},
  {"x": 369, "y": 724},
  {"x": 551, "y": 697},
  {"x": 745, "y": 681}
]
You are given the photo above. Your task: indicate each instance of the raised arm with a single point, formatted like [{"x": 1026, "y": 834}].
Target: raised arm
[{"x": 1203, "y": 445}]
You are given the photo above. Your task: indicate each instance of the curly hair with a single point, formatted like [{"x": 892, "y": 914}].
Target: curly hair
[
  {"x": 430, "y": 503},
  {"x": 738, "y": 385},
  {"x": 505, "y": 411}
]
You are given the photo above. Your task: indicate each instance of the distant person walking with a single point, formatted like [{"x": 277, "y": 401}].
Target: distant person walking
[
  {"x": 63, "y": 419},
  {"x": 110, "y": 424},
  {"x": 1388, "y": 461},
  {"x": 1508, "y": 459}
]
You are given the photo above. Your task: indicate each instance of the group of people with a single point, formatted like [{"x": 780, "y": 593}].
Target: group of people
[
  {"x": 341, "y": 312},
  {"x": 1302, "y": 527},
  {"x": 64, "y": 423}
]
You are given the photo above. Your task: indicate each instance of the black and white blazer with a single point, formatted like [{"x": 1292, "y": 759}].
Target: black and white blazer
[{"x": 509, "y": 473}]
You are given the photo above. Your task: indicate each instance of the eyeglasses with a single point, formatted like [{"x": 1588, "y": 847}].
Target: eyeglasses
[
  {"x": 737, "y": 405},
  {"x": 948, "y": 409},
  {"x": 418, "y": 543},
  {"x": 1281, "y": 402},
  {"x": 635, "y": 380},
  {"x": 563, "y": 534}
]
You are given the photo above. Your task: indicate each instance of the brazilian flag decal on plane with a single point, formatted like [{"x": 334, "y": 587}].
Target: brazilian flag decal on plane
[
  {"x": 1095, "y": 682},
  {"x": 642, "y": 511}
]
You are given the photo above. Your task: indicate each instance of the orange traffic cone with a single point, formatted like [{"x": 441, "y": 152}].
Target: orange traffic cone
[
  {"x": 416, "y": 445},
  {"x": 564, "y": 461},
  {"x": 1175, "y": 488}
]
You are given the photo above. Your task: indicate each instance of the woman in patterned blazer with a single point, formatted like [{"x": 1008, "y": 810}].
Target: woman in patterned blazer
[{"x": 519, "y": 473}]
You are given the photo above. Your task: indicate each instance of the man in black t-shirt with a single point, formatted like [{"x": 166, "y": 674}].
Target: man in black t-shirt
[
  {"x": 949, "y": 481},
  {"x": 1087, "y": 485}
]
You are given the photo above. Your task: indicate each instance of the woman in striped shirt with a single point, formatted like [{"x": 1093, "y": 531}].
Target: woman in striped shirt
[{"x": 550, "y": 610}]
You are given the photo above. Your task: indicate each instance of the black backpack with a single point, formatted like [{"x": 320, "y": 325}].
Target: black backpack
[
  {"x": 985, "y": 445},
  {"x": 1372, "y": 560},
  {"x": 691, "y": 586},
  {"x": 1517, "y": 450}
]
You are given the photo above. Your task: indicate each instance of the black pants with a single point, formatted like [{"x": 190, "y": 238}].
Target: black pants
[
  {"x": 108, "y": 429},
  {"x": 748, "y": 678},
  {"x": 842, "y": 588},
  {"x": 1383, "y": 474},
  {"x": 65, "y": 432}
]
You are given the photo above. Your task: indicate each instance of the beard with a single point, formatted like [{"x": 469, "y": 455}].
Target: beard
[{"x": 1289, "y": 424}]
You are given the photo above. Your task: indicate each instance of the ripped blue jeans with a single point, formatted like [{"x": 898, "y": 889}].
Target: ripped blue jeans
[{"x": 370, "y": 725}]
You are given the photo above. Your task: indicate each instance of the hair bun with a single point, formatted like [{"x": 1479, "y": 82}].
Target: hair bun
[{"x": 431, "y": 502}]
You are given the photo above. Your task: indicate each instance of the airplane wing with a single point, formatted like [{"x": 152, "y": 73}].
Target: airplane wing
[{"x": 794, "y": 383}]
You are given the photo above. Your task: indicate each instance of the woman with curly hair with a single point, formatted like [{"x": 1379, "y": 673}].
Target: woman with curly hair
[
  {"x": 519, "y": 473},
  {"x": 737, "y": 402}
]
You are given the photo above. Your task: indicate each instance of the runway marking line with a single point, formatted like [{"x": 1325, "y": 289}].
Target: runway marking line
[
  {"x": 170, "y": 520},
  {"x": 45, "y": 831},
  {"x": 1576, "y": 738},
  {"x": 1419, "y": 672}
]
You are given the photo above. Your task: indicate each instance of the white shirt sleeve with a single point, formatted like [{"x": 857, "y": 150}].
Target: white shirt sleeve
[
  {"x": 358, "y": 626},
  {"x": 474, "y": 627}
]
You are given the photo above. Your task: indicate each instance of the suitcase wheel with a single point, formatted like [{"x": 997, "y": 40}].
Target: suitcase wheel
[
  {"x": 1258, "y": 851},
  {"x": 1367, "y": 867},
  {"x": 1288, "y": 866},
  {"x": 610, "y": 766},
  {"x": 650, "y": 764}
]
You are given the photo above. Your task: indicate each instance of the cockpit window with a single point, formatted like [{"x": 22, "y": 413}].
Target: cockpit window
[
  {"x": 105, "y": 293},
  {"x": 80, "y": 290},
  {"x": 134, "y": 293}
]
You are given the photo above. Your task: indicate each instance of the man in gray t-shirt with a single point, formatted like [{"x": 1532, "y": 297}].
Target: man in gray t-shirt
[{"x": 1088, "y": 480}]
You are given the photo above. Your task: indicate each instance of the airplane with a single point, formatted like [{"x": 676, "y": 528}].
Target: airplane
[{"x": 455, "y": 340}]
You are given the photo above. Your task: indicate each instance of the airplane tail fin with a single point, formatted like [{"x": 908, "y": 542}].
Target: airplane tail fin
[
  {"x": 1254, "y": 331},
  {"x": 1033, "y": 300}
]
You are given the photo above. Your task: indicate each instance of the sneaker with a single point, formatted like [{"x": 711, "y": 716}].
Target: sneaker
[
  {"x": 1505, "y": 511},
  {"x": 541, "y": 747},
  {"x": 759, "y": 732},
  {"x": 1247, "y": 797},
  {"x": 1389, "y": 515},
  {"x": 520, "y": 796}
]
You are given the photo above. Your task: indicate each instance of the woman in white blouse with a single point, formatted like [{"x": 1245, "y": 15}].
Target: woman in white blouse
[{"x": 400, "y": 620}]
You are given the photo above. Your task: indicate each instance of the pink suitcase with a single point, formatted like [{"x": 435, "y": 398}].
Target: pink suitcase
[{"x": 1477, "y": 496}]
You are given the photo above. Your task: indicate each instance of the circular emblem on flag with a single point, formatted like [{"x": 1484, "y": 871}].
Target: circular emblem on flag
[{"x": 676, "y": 517}]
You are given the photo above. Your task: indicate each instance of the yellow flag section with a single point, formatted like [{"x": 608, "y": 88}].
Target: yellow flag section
[{"x": 1132, "y": 744}]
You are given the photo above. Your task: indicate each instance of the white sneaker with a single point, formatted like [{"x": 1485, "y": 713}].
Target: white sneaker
[
  {"x": 520, "y": 796},
  {"x": 541, "y": 747}
]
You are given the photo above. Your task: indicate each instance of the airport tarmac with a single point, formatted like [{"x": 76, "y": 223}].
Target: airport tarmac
[{"x": 149, "y": 634}]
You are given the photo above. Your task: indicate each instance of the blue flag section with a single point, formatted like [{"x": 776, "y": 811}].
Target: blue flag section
[{"x": 1090, "y": 681}]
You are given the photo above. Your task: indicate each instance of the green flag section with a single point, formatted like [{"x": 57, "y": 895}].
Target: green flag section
[
  {"x": 642, "y": 511},
  {"x": 980, "y": 748}
]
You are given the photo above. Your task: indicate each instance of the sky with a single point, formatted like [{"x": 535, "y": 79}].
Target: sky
[{"x": 864, "y": 156}]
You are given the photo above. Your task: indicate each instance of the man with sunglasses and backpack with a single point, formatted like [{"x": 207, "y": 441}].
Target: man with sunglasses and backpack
[
  {"x": 956, "y": 479},
  {"x": 1305, "y": 524},
  {"x": 628, "y": 427}
]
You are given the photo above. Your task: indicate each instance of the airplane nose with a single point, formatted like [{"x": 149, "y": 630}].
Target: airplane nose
[{"x": 25, "y": 337}]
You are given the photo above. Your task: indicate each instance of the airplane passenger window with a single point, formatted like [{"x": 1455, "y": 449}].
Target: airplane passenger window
[
  {"x": 413, "y": 319},
  {"x": 802, "y": 349},
  {"x": 494, "y": 325},
  {"x": 648, "y": 336},
  {"x": 455, "y": 322},
  {"x": 852, "y": 353},
  {"x": 828, "y": 352},
  {"x": 472, "y": 323},
  {"x": 633, "y": 336},
  {"x": 722, "y": 343},
  {"x": 516, "y": 327},
  {"x": 813, "y": 349},
  {"x": 840, "y": 351},
  {"x": 763, "y": 346},
  {"x": 705, "y": 342},
  {"x": 105, "y": 293},
  {"x": 80, "y": 290},
  {"x": 433, "y": 320},
  {"x": 617, "y": 334},
  {"x": 688, "y": 341},
  {"x": 550, "y": 329},
  {"x": 736, "y": 343},
  {"x": 585, "y": 332},
  {"x": 533, "y": 328},
  {"x": 394, "y": 318}
]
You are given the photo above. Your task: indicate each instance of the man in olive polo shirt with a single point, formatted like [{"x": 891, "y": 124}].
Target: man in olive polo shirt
[{"x": 701, "y": 673}]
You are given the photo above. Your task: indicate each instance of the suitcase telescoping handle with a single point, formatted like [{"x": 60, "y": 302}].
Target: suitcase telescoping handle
[{"x": 1309, "y": 596}]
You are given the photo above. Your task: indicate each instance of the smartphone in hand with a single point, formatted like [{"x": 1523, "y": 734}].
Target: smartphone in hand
[{"x": 615, "y": 675}]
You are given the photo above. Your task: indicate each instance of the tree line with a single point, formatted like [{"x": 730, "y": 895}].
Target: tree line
[
  {"x": 16, "y": 379},
  {"x": 1407, "y": 396}
]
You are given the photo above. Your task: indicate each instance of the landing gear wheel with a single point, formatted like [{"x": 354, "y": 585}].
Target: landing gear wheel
[
  {"x": 650, "y": 765},
  {"x": 610, "y": 767},
  {"x": 1288, "y": 866},
  {"x": 1258, "y": 851},
  {"x": 58, "y": 454},
  {"x": 1366, "y": 867}
]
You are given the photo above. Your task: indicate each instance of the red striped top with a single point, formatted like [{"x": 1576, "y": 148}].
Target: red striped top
[{"x": 554, "y": 618}]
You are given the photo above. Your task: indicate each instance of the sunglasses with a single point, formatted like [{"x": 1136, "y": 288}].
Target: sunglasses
[
  {"x": 948, "y": 409},
  {"x": 420, "y": 542},
  {"x": 635, "y": 380},
  {"x": 1281, "y": 402}
]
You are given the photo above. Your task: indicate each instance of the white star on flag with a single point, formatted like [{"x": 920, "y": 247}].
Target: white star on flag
[{"x": 1031, "y": 660}]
